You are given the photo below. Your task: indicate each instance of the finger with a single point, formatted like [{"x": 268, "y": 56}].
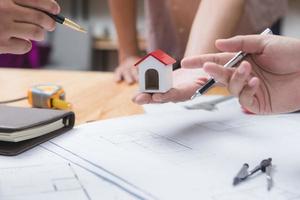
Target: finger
[
  {"x": 49, "y": 6},
  {"x": 248, "y": 44},
  {"x": 16, "y": 46},
  {"x": 39, "y": 18},
  {"x": 198, "y": 61},
  {"x": 247, "y": 96},
  {"x": 201, "y": 80},
  {"x": 183, "y": 93},
  {"x": 239, "y": 78},
  {"x": 128, "y": 77},
  {"x": 172, "y": 95},
  {"x": 220, "y": 74},
  {"x": 28, "y": 32},
  {"x": 142, "y": 98},
  {"x": 135, "y": 75},
  {"x": 118, "y": 75}
]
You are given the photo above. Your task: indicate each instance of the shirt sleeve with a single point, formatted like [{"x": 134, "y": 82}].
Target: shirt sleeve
[{"x": 260, "y": 14}]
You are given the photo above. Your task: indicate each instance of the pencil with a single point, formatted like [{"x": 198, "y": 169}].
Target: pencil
[{"x": 67, "y": 22}]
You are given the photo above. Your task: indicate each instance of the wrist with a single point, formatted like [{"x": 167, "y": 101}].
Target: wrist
[
  {"x": 128, "y": 51},
  {"x": 128, "y": 56},
  {"x": 130, "y": 59},
  {"x": 128, "y": 62}
]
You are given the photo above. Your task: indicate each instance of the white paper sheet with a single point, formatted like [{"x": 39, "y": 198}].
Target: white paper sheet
[
  {"x": 180, "y": 154},
  {"x": 169, "y": 153},
  {"x": 49, "y": 173}
]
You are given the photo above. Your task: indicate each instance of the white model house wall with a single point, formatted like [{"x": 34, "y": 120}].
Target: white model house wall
[{"x": 164, "y": 73}]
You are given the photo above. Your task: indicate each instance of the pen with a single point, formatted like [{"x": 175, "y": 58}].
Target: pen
[
  {"x": 67, "y": 22},
  {"x": 231, "y": 63}
]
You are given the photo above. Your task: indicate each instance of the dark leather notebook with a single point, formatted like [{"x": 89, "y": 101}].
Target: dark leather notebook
[{"x": 24, "y": 128}]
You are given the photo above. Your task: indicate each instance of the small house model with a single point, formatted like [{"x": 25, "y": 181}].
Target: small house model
[{"x": 155, "y": 72}]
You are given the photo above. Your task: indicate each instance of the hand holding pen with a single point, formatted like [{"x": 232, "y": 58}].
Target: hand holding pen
[
  {"x": 24, "y": 20},
  {"x": 267, "y": 82},
  {"x": 21, "y": 21},
  {"x": 231, "y": 63}
]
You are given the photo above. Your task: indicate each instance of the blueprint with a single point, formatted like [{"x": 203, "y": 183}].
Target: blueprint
[
  {"x": 33, "y": 181},
  {"x": 44, "y": 174},
  {"x": 194, "y": 154},
  {"x": 168, "y": 153}
]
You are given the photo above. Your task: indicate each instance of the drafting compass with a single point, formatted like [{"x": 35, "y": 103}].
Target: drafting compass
[{"x": 265, "y": 166}]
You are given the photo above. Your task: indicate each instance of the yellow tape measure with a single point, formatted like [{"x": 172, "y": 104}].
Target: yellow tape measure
[{"x": 48, "y": 96}]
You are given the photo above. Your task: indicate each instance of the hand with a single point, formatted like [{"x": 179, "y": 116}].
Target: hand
[
  {"x": 185, "y": 81},
  {"x": 127, "y": 71},
  {"x": 22, "y": 21},
  {"x": 268, "y": 82}
]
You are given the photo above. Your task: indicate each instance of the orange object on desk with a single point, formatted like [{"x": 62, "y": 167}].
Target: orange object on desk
[{"x": 48, "y": 96}]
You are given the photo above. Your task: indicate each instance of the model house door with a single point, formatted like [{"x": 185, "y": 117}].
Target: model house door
[{"x": 151, "y": 80}]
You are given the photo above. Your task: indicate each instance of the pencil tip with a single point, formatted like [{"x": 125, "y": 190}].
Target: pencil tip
[
  {"x": 74, "y": 25},
  {"x": 82, "y": 30},
  {"x": 195, "y": 95},
  {"x": 236, "y": 181}
]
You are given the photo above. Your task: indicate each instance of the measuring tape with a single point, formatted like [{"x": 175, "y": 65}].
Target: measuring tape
[{"x": 48, "y": 96}]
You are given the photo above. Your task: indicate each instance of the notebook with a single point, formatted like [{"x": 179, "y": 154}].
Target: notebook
[{"x": 24, "y": 128}]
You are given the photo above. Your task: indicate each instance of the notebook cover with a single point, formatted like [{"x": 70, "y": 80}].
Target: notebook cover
[{"x": 17, "y": 119}]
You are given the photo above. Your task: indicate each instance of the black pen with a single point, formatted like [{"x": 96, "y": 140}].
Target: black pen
[
  {"x": 67, "y": 22},
  {"x": 231, "y": 63}
]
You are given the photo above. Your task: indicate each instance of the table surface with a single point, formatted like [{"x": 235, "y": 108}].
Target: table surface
[{"x": 94, "y": 95}]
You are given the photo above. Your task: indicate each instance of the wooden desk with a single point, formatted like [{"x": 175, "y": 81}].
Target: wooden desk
[{"x": 94, "y": 95}]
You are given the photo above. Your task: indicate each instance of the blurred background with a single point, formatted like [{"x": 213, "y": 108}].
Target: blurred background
[{"x": 97, "y": 50}]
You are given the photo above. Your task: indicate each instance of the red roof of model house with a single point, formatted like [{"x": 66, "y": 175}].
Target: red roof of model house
[{"x": 160, "y": 56}]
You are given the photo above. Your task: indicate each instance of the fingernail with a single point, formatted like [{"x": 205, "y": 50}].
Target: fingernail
[
  {"x": 205, "y": 66},
  {"x": 241, "y": 69},
  {"x": 252, "y": 82},
  {"x": 56, "y": 8}
]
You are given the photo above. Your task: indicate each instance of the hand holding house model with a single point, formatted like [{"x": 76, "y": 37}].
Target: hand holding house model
[{"x": 155, "y": 72}]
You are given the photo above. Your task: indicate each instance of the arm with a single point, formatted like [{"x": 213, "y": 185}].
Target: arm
[
  {"x": 214, "y": 19},
  {"x": 124, "y": 16}
]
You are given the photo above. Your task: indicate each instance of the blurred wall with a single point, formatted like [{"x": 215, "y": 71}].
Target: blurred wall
[
  {"x": 291, "y": 24},
  {"x": 72, "y": 50}
]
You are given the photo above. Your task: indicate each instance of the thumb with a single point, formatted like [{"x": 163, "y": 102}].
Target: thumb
[{"x": 249, "y": 44}]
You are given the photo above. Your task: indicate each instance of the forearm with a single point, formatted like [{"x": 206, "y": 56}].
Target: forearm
[
  {"x": 214, "y": 19},
  {"x": 124, "y": 16}
]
